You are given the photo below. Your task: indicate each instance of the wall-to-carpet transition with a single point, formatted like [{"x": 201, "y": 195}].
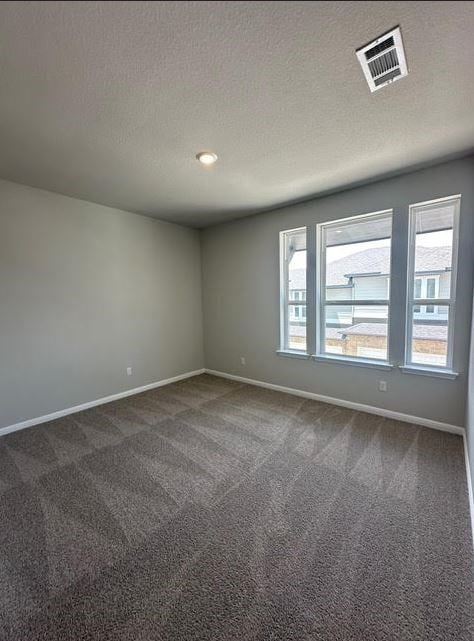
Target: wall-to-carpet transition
[{"x": 213, "y": 510}]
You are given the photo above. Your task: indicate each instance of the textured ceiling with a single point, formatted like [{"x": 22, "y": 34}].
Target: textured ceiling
[{"x": 110, "y": 101}]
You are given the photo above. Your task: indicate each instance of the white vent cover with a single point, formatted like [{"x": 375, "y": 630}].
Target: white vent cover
[{"x": 383, "y": 60}]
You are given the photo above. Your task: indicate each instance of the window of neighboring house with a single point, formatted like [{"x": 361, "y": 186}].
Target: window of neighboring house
[
  {"x": 297, "y": 311},
  {"x": 293, "y": 290},
  {"x": 353, "y": 287},
  {"x": 433, "y": 240},
  {"x": 431, "y": 287},
  {"x": 431, "y": 292},
  {"x": 417, "y": 308},
  {"x": 425, "y": 287}
]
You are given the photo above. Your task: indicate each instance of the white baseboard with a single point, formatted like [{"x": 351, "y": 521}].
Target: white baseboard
[
  {"x": 407, "y": 418},
  {"x": 469, "y": 486},
  {"x": 100, "y": 401}
]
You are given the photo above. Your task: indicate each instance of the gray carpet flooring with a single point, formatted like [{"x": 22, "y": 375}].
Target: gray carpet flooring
[{"x": 213, "y": 510}]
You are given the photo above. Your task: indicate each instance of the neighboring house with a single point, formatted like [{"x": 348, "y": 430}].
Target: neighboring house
[{"x": 364, "y": 275}]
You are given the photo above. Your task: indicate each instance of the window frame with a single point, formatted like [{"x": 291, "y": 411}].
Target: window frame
[
  {"x": 322, "y": 303},
  {"x": 450, "y": 302},
  {"x": 285, "y": 301}
]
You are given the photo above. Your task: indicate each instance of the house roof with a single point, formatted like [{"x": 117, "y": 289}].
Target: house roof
[
  {"x": 421, "y": 332},
  {"x": 374, "y": 261},
  {"x": 299, "y": 330},
  {"x": 333, "y": 332},
  {"x": 298, "y": 279}
]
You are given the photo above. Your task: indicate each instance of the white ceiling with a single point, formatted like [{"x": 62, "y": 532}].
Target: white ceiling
[{"x": 110, "y": 101}]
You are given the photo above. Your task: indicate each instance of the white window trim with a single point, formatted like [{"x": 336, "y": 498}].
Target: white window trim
[
  {"x": 410, "y": 366},
  {"x": 321, "y": 301},
  {"x": 352, "y": 360},
  {"x": 290, "y": 353},
  {"x": 428, "y": 371},
  {"x": 284, "y": 294}
]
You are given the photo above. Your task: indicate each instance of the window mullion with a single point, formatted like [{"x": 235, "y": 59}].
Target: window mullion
[
  {"x": 432, "y": 301},
  {"x": 351, "y": 302},
  {"x": 320, "y": 279},
  {"x": 311, "y": 314}
]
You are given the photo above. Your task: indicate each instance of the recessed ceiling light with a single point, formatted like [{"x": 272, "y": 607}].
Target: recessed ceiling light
[{"x": 206, "y": 157}]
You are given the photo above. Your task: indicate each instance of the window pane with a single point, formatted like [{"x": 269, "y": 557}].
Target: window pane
[
  {"x": 357, "y": 262},
  {"x": 365, "y": 337},
  {"x": 434, "y": 248},
  {"x": 432, "y": 229},
  {"x": 293, "y": 283},
  {"x": 355, "y": 257},
  {"x": 430, "y": 340},
  {"x": 297, "y": 336}
]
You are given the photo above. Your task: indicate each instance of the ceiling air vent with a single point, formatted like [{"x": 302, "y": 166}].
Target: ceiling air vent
[{"x": 383, "y": 60}]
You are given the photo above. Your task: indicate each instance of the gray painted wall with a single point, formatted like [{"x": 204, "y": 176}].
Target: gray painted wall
[
  {"x": 241, "y": 296},
  {"x": 86, "y": 291},
  {"x": 470, "y": 403}
]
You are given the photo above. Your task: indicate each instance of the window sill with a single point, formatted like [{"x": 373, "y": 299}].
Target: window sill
[
  {"x": 426, "y": 371},
  {"x": 292, "y": 354},
  {"x": 352, "y": 361}
]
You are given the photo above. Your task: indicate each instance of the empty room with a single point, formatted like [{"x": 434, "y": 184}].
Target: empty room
[{"x": 236, "y": 338}]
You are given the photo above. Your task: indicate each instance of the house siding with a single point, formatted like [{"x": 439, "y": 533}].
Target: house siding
[
  {"x": 336, "y": 315},
  {"x": 444, "y": 282},
  {"x": 371, "y": 287}
]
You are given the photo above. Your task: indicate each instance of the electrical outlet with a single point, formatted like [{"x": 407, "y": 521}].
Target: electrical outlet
[
  {"x": 382, "y": 386},
  {"x": 129, "y": 371},
  {"x": 243, "y": 361}
]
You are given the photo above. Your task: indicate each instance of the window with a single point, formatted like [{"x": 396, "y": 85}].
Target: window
[
  {"x": 431, "y": 287},
  {"x": 432, "y": 262},
  {"x": 293, "y": 290},
  {"x": 335, "y": 289},
  {"x": 353, "y": 287}
]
